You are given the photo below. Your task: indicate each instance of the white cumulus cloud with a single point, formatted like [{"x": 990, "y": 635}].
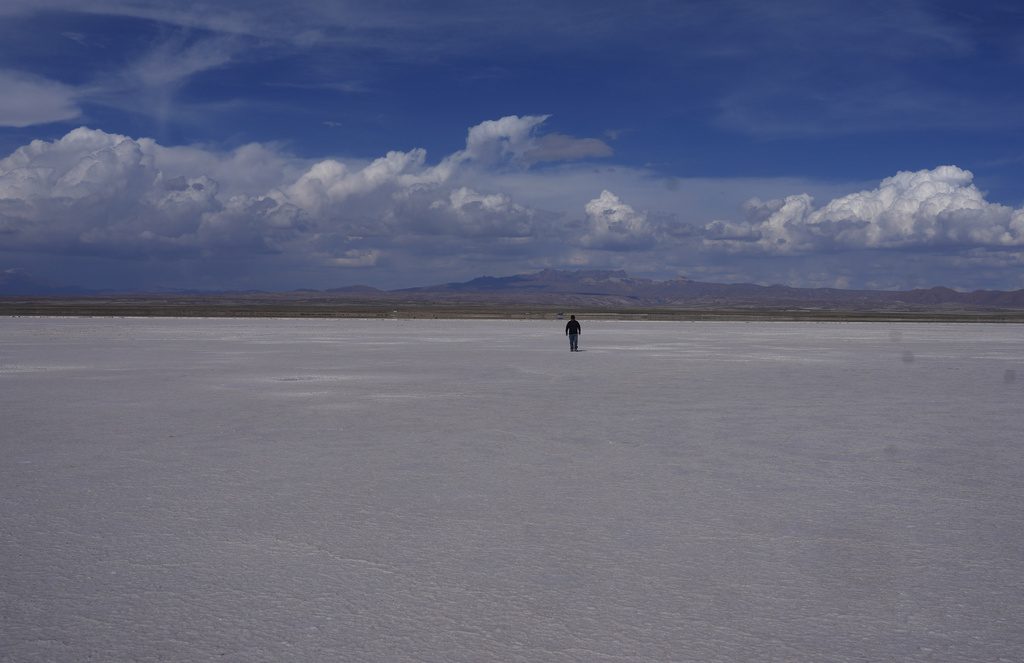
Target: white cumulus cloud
[
  {"x": 614, "y": 225},
  {"x": 92, "y": 195},
  {"x": 492, "y": 215},
  {"x": 939, "y": 207},
  {"x": 514, "y": 139},
  {"x": 98, "y": 193},
  {"x": 108, "y": 194}
]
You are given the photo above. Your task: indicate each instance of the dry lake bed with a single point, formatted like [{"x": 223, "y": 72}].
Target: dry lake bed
[{"x": 446, "y": 490}]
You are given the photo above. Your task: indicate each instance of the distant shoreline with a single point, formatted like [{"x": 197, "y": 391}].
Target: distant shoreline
[{"x": 231, "y": 308}]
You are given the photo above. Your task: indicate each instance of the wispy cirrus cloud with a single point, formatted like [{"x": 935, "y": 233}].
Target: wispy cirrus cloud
[
  {"x": 147, "y": 84},
  {"x": 762, "y": 69},
  {"x": 151, "y": 83},
  {"x": 29, "y": 100},
  {"x": 173, "y": 61}
]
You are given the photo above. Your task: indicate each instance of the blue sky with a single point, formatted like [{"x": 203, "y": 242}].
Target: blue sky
[{"x": 322, "y": 144}]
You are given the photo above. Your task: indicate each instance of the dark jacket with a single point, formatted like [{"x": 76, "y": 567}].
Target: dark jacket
[{"x": 573, "y": 327}]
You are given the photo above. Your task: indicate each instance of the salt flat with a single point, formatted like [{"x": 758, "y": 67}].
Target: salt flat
[{"x": 391, "y": 490}]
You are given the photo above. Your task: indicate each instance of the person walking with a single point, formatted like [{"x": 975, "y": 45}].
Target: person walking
[{"x": 573, "y": 331}]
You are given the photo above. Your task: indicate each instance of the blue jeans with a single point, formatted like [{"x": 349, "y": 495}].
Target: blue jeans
[{"x": 574, "y": 341}]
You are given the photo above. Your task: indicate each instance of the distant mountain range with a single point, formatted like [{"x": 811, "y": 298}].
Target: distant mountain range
[
  {"x": 618, "y": 289},
  {"x": 603, "y": 289}
]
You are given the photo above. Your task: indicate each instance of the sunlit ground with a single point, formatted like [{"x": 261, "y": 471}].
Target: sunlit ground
[{"x": 307, "y": 490}]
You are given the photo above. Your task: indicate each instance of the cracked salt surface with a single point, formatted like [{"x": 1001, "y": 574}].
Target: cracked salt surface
[{"x": 321, "y": 490}]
